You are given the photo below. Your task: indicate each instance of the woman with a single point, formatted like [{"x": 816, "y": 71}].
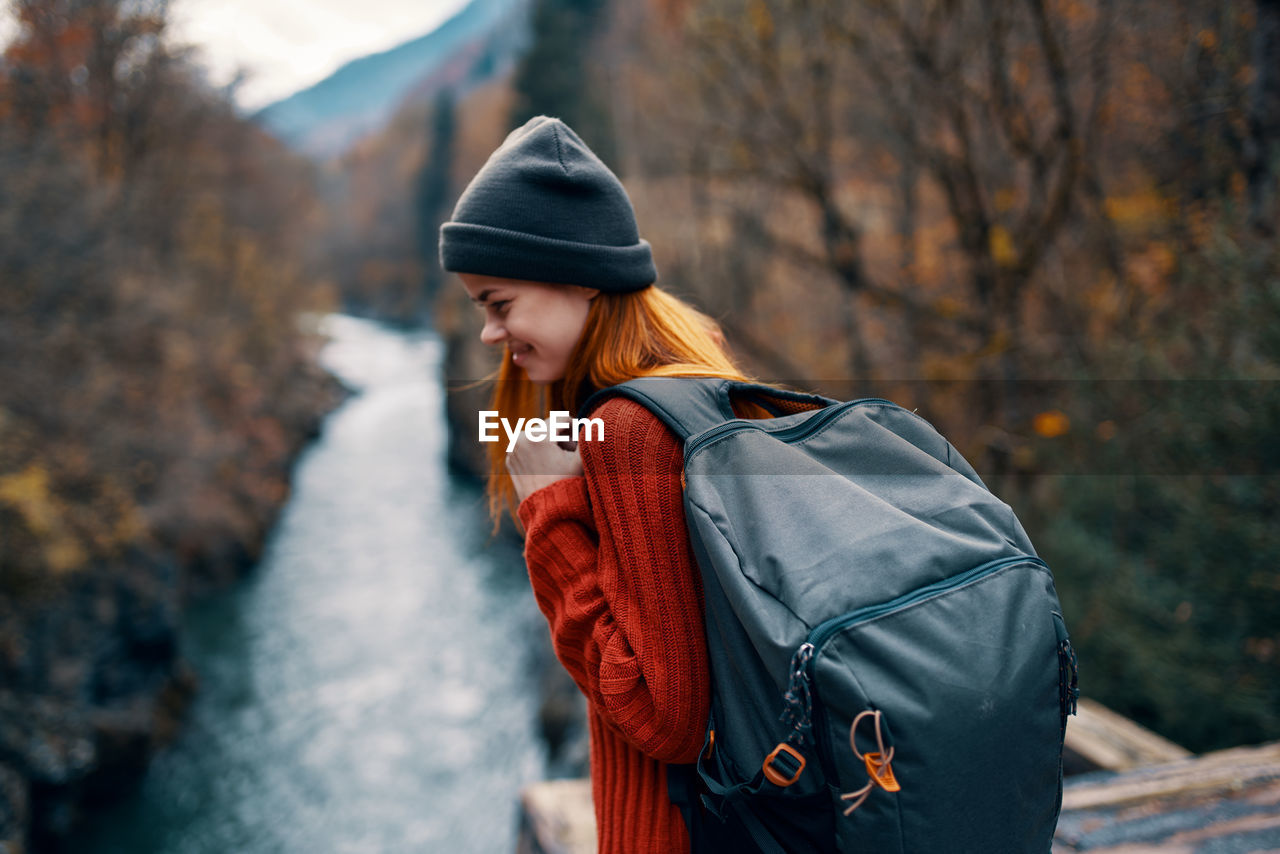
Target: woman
[{"x": 544, "y": 239}]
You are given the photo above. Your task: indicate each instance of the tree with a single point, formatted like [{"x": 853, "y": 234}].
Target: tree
[
  {"x": 800, "y": 96},
  {"x": 554, "y": 78},
  {"x": 1263, "y": 142},
  {"x": 435, "y": 190}
]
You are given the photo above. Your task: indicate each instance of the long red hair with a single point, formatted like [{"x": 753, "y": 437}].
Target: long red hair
[{"x": 645, "y": 333}]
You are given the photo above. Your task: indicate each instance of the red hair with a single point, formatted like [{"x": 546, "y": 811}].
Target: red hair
[{"x": 645, "y": 333}]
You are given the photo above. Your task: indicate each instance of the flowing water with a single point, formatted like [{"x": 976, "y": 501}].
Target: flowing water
[{"x": 370, "y": 687}]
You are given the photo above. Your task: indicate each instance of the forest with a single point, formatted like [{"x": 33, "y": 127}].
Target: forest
[{"x": 157, "y": 377}]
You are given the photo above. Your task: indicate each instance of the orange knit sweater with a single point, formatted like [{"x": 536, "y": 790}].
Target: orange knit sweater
[{"x": 612, "y": 569}]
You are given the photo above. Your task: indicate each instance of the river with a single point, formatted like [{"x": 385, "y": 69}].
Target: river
[{"x": 371, "y": 686}]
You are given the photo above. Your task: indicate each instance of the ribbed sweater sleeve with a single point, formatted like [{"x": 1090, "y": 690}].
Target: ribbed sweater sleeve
[{"x": 611, "y": 568}]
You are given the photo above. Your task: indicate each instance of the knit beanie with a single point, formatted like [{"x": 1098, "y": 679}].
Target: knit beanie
[{"x": 545, "y": 208}]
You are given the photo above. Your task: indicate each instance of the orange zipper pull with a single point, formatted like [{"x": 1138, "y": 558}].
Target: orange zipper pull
[{"x": 880, "y": 771}]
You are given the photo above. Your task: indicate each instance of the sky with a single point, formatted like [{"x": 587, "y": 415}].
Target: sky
[{"x": 286, "y": 45}]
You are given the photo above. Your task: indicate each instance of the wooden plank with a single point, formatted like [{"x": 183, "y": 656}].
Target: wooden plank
[
  {"x": 557, "y": 817},
  {"x": 1222, "y": 772},
  {"x": 1226, "y": 802},
  {"x": 1224, "y": 795},
  {"x": 1100, "y": 739}
]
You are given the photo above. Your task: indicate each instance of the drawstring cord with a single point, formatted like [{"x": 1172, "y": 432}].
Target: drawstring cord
[{"x": 878, "y": 768}]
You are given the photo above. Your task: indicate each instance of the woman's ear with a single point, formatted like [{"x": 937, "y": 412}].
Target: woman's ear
[{"x": 589, "y": 293}]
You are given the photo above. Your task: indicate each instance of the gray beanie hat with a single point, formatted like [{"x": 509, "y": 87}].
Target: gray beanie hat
[{"x": 546, "y": 209}]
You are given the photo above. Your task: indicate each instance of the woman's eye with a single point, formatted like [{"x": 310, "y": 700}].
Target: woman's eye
[{"x": 501, "y": 306}]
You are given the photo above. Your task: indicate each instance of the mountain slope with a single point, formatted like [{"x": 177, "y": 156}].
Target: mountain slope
[{"x": 325, "y": 119}]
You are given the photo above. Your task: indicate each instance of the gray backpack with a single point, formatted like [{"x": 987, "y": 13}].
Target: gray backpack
[{"x": 890, "y": 667}]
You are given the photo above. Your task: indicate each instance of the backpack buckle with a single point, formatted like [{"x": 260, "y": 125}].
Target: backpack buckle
[{"x": 780, "y": 762}]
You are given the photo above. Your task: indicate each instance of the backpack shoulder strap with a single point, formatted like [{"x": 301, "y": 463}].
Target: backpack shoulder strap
[
  {"x": 691, "y": 405},
  {"x": 688, "y": 405}
]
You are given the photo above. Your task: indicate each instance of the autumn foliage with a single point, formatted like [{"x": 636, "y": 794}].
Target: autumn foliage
[{"x": 154, "y": 381}]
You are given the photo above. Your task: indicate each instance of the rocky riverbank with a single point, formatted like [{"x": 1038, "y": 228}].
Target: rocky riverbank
[
  {"x": 91, "y": 680},
  {"x": 562, "y": 709}
]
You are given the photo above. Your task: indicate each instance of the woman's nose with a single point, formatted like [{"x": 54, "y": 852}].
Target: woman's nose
[{"x": 492, "y": 333}]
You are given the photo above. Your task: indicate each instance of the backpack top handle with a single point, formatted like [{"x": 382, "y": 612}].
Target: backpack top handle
[{"x": 691, "y": 405}]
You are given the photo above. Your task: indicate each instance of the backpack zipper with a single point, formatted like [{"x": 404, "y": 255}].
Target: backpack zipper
[
  {"x": 798, "y": 712},
  {"x": 786, "y": 434},
  {"x": 824, "y": 630}
]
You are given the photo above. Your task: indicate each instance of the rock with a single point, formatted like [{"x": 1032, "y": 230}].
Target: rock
[
  {"x": 49, "y": 743},
  {"x": 467, "y": 363},
  {"x": 557, "y": 817},
  {"x": 562, "y": 722},
  {"x": 50, "y": 746},
  {"x": 15, "y": 808}
]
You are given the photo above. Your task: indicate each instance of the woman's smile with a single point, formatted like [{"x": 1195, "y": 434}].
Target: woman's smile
[{"x": 539, "y": 323}]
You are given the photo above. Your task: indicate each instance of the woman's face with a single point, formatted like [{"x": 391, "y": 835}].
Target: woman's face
[{"x": 539, "y": 323}]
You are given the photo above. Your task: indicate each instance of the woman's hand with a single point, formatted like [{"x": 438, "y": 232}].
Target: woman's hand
[{"x": 533, "y": 465}]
